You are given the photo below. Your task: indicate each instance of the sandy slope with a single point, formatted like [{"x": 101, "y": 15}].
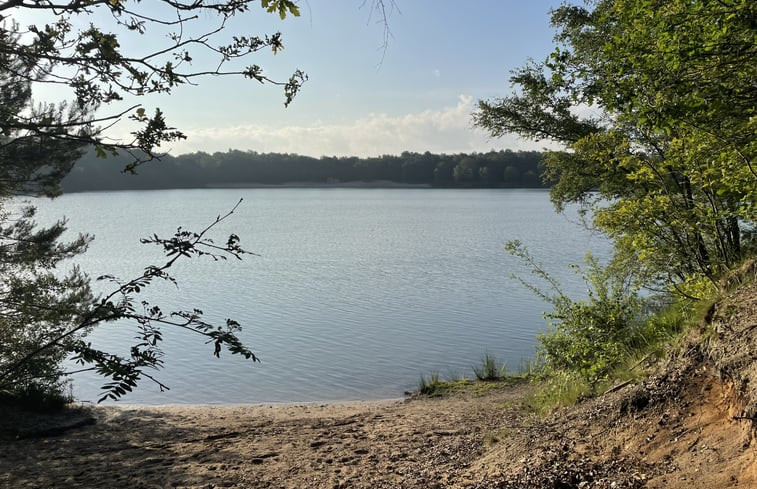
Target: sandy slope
[{"x": 690, "y": 425}]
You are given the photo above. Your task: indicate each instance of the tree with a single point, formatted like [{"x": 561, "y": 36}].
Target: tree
[
  {"x": 654, "y": 102},
  {"x": 45, "y": 315},
  {"x": 466, "y": 171},
  {"x": 91, "y": 62}
]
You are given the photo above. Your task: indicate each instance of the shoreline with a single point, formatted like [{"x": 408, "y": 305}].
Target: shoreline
[
  {"x": 337, "y": 403},
  {"x": 369, "y": 185}
]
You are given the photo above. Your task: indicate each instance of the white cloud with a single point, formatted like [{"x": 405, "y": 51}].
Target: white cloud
[{"x": 445, "y": 130}]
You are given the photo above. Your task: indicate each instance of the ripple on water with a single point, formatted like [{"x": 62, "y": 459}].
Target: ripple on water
[{"x": 356, "y": 292}]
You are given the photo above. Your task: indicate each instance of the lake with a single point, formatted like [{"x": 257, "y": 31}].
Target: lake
[{"x": 355, "y": 292}]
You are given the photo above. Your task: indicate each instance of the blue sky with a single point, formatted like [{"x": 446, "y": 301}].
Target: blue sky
[{"x": 443, "y": 56}]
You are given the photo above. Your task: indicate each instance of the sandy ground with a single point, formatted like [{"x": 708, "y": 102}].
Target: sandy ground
[
  {"x": 415, "y": 443},
  {"x": 679, "y": 429}
]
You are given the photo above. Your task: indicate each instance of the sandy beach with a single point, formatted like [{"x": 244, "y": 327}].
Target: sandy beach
[
  {"x": 400, "y": 443},
  {"x": 684, "y": 435}
]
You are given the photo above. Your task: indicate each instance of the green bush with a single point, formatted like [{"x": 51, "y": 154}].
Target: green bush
[
  {"x": 37, "y": 396},
  {"x": 592, "y": 336}
]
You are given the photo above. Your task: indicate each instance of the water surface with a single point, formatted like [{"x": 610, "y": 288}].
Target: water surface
[{"x": 355, "y": 292}]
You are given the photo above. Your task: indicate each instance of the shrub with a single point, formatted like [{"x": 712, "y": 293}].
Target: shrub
[
  {"x": 588, "y": 337},
  {"x": 39, "y": 397}
]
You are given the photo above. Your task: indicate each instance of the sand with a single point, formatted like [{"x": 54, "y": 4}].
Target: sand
[
  {"x": 683, "y": 436},
  {"x": 413, "y": 443}
]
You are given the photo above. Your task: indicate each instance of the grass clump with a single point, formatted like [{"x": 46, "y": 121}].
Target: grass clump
[
  {"x": 431, "y": 385},
  {"x": 490, "y": 375},
  {"x": 428, "y": 385},
  {"x": 490, "y": 368}
]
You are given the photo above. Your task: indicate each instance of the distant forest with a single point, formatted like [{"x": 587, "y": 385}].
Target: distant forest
[{"x": 248, "y": 168}]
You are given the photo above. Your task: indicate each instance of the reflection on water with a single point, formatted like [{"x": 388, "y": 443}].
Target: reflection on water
[{"x": 356, "y": 292}]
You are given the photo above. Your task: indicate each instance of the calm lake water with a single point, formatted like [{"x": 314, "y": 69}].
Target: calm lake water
[{"x": 355, "y": 294}]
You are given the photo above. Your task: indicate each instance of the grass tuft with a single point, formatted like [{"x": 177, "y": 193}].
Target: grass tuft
[
  {"x": 490, "y": 368},
  {"x": 434, "y": 386},
  {"x": 429, "y": 386},
  {"x": 559, "y": 389}
]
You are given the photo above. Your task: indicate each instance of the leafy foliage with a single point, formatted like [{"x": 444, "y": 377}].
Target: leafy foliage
[
  {"x": 94, "y": 65},
  {"x": 588, "y": 337},
  {"x": 46, "y": 313},
  {"x": 36, "y": 354},
  {"x": 654, "y": 101},
  {"x": 36, "y": 304}
]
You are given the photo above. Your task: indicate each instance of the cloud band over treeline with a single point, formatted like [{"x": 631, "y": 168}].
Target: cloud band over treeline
[{"x": 445, "y": 130}]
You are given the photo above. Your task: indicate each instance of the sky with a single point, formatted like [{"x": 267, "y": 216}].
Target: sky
[{"x": 417, "y": 94}]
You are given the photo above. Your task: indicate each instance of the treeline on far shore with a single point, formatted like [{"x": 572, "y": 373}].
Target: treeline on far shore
[{"x": 516, "y": 169}]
